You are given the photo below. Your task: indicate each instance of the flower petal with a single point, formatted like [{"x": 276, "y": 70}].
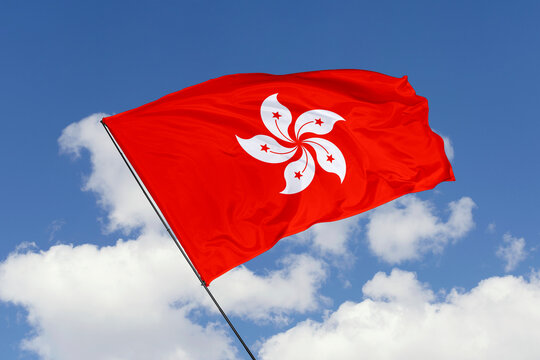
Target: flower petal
[
  {"x": 318, "y": 122},
  {"x": 276, "y": 118},
  {"x": 329, "y": 156},
  {"x": 266, "y": 148},
  {"x": 299, "y": 173}
]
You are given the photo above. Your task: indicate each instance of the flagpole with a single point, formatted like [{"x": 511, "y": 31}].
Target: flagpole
[{"x": 177, "y": 242}]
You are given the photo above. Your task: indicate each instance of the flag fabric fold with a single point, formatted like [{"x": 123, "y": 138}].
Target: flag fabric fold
[{"x": 238, "y": 162}]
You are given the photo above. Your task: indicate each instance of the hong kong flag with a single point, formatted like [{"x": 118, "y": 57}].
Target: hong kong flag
[{"x": 241, "y": 161}]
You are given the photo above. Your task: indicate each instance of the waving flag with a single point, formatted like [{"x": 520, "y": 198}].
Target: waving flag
[{"x": 238, "y": 162}]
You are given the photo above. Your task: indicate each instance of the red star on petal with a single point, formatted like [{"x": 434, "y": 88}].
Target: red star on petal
[
  {"x": 265, "y": 148},
  {"x": 276, "y": 115},
  {"x": 297, "y": 175},
  {"x": 330, "y": 158},
  {"x": 319, "y": 122}
]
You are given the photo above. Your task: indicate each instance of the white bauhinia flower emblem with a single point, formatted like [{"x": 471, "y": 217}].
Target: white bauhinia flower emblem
[{"x": 298, "y": 174}]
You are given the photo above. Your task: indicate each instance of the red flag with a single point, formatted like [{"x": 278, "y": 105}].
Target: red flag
[{"x": 238, "y": 162}]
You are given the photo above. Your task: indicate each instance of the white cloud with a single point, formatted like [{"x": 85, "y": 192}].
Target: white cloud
[
  {"x": 134, "y": 299},
  {"x": 448, "y": 148},
  {"x": 110, "y": 179},
  {"x": 86, "y": 302},
  {"x": 513, "y": 252},
  {"x": 276, "y": 295},
  {"x": 331, "y": 238},
  {"x": 400, "y": 286},
  {"x": 400, "y": 319},
  {"x": 26, "y": 246},
  {"x": 407, "y": 228}
]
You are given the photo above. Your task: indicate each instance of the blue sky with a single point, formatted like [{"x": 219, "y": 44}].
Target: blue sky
[{"x": 62, "y": 62}]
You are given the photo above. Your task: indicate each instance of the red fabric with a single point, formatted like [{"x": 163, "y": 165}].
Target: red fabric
[{"x": 226, "y": 206}]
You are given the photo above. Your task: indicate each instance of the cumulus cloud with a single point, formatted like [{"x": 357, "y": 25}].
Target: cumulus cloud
[
  {"x": 116, "y": 190},
  {"x": 293, "y": 288},
  {"x": 135, "y": 300},
  {"x": 512, "y": 251},
  {"x": 86, "y": 302},
  {"x": 448, "y": 148},
  {"x": 332, "y": 238},
  {"x": 400, "y": 286},
  {"x": 408, "y": 227},
  {"x": 400, "y": 319}
]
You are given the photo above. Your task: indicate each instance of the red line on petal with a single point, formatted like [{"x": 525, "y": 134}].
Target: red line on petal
[
  {"x": 316, "y": 143},
  {"x": 285, "y": 136},
  {"x": 282, "y": 153},
  {"x": 307, "y": 159},
  {"x": 298, "y": 132}
]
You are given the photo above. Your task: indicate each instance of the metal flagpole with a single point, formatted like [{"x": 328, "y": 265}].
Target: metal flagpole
[{"x": 175, "y": 239}]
